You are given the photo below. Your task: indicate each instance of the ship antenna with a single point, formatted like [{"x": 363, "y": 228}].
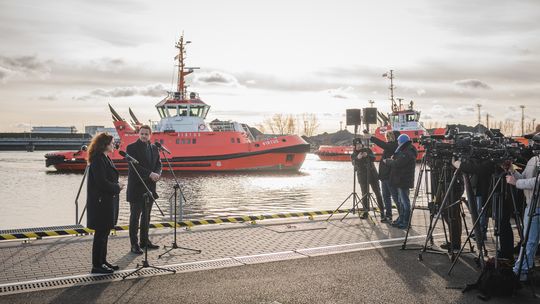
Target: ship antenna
[
  {"x": 182, "y": 73},
  {"x": 390, "y": 76}
]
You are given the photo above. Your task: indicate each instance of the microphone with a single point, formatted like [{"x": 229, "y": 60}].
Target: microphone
[
  {"x": 161, "y": 147},
  {"x": 129, "y": 157}
]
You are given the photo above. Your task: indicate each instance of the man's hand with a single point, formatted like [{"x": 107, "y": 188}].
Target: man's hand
[
  {"x": 511, "y": 180},
  {"x": 456, "y": 164},
  {"x": 122, "y": 185},
  {"x": 154, "y": 176},
  {"x": 364, "y": 154}
]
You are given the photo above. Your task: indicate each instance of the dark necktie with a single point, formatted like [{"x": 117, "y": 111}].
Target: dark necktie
[{"x": 149, "y": 153}]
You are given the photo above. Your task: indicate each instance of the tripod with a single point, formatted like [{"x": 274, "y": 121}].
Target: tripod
[
  {"x": 442, "y": 208},
  {"x": 422, "y": 174},
  {"x": 147, "y": 196},
  {"x": 177, "y": 189},
  {"x": 355, "y": 198}
]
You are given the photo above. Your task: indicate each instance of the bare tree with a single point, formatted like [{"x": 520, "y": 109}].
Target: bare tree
[
  {"x": 280, "y": 123},
  {"x": 311, "y": 123},
  {"x": 290, "y": 125},
  {"x": 305, "y": 124}
]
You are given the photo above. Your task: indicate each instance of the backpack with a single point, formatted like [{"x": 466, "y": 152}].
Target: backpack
[{"x": 495, "y": 282}]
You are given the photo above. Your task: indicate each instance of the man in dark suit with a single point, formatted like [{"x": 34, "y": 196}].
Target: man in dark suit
[{"x": 149, "y": 168}]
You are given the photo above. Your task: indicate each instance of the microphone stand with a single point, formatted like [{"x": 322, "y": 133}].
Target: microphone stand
[
  {"x": 146, "y": 216},
  {"x": 177, "y": 188}
]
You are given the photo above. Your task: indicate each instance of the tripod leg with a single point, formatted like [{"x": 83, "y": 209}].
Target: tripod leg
[
  {"x": 476, "y": 223},
  {"x": 443, "y": 206},
  {"x": 413, "y": 205}
]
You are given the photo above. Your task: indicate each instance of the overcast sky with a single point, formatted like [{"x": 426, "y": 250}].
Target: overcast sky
[{"x": 62, "y": 61}]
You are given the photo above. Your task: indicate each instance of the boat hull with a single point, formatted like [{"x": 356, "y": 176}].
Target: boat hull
[{"x": 285, "y": 159}]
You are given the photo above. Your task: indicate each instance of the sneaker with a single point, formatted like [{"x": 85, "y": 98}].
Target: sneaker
[
  {"x": 364, "y": 215},
  {"x": 385, "y": 219},
  {"x": 401, "y": 226}
]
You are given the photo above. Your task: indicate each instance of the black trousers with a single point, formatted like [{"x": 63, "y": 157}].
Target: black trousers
[
  {"x": 139, "y": 217},
  {"x": 99, "y": 247},
  {"x": 374, "y": 183},
  {"x": 504, "y": 215},
  {"x": 452, "y": 216}
]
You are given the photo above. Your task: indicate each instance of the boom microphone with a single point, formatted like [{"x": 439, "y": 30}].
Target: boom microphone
[
  {"x": 129, "y": 157},
  {"x": 161, "y": 147}
]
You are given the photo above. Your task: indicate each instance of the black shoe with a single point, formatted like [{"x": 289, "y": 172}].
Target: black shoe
[
  {"x": 101, "y": 270},
  {"x": 111, "y": 266},
  {"x": 136, "y": 249},
  {"x": 364, "y": 215},
  {"x": 150, "y": 246},
  {"x": 386, "y": 219}
]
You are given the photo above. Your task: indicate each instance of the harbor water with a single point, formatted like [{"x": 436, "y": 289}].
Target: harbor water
[{"x": 34, "y": 196}]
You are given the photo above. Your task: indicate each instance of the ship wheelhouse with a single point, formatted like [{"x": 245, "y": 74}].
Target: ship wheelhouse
[{"x": 182, "y": 115}]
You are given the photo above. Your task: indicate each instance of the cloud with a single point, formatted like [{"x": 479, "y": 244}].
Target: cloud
[
  {"x": 466, "y": 110},
  {"x": 155, "y": 90},
  {"x": 216, "y": 78},
  {"x": 342, "y": 93},
  {"x": 472, "y": 84},
  {"x": 48, "y": 98},
  {"x": 22, "y": 66},
  {"x": 106, "y": 64}
]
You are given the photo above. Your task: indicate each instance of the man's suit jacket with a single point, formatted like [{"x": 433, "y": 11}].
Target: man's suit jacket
[{"x": 135, "y": 189}]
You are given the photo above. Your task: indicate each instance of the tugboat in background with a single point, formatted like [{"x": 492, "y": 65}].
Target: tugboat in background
[
  {"x": 404, "y": 120},
  {"x": 195, "y": 145}
]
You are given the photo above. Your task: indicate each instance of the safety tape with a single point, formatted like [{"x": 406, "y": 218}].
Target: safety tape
[{"x": 191, "y": 223}]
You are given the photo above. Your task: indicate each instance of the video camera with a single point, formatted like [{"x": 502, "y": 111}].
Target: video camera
[{"x": 492, "y": 145}]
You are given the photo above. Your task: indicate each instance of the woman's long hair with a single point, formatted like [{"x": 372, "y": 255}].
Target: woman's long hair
[{"x": 98, "y": 145}]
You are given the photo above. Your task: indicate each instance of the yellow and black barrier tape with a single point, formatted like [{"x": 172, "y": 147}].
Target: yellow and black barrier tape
[{"x": 189, "y": 223}]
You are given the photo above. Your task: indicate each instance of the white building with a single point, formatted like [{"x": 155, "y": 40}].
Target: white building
[{"x": 54, "y": 129}]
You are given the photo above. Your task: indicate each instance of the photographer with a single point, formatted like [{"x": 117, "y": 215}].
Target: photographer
[
  {"x": 527, "y": 181},
  {"x": 362, "y": 159},
  {"x": 402, "y": 169},
  {"x": 388, "y": 192}
]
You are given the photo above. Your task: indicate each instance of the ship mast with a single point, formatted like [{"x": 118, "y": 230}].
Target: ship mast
[
  {"x": 182, "y": 73},
  {"x": 390, "y": 75}
]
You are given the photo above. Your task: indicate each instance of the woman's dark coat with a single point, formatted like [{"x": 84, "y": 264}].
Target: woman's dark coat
[
  {"x": 102, "y": 193},
  {"x": 403, "y": 165}
]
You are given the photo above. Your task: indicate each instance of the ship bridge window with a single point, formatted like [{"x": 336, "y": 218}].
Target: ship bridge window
[
  {"x": 198, "y": 111},
  {"x": 411, "y": 117}
]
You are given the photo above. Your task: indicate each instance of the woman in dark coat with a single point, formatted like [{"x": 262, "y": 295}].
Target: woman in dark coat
[
  {"x": 402, "y": 167},
  {"x": 102, "y": 199}
]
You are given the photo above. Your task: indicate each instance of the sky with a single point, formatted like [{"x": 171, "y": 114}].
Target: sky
[{"x": 63, "y": 61}]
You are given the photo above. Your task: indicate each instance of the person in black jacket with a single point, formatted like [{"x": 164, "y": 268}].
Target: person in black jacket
[
  {"x": 402, "y": 171},
  {"x": 149, "y": 168},
  {"x": 388, "y": 192},
  {"x": 362, "y": 159},
  {"x": 102, "y": 199}
]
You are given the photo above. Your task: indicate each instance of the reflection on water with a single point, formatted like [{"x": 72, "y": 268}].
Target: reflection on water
[{"x": 32, "y": 195}]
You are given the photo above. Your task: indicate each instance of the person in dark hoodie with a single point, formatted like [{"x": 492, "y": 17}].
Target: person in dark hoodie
[
  {"x": 402, "y": 171},
  {"x": 388, "y": 192},
  {"x": 362, "y": 159}
]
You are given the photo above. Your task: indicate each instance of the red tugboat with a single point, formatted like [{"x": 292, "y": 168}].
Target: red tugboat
[
  {"x": 404, "y": 120},
  {"x": 335, "y": 153},
  {"x": 194, "y": 144}
]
